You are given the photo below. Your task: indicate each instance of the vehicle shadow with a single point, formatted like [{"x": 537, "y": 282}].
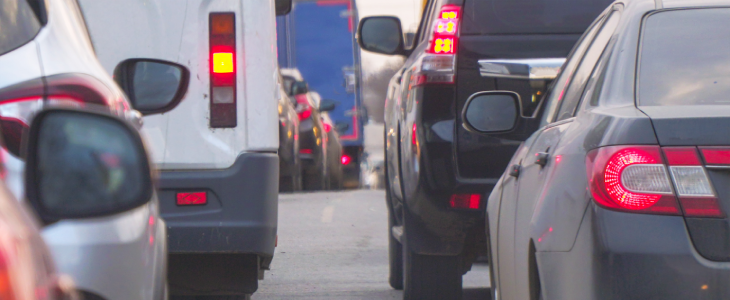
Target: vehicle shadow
[{"x": 476, "y": 294}]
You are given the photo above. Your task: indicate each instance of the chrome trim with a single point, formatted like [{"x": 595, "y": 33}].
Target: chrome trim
[
  {"x": 530, "y": 69},
  {"x": 717, "y": 167}
]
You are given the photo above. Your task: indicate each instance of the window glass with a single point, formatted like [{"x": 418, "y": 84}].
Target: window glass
[
  {"x": 530, "y": 16},
  {"x": 577, "y": 85},
  {"x": 556, "y": 91},
  {"x": 685, "y": 58},
  {"x": 18, "y": 24},
  {"x": 425, "y": 19}
]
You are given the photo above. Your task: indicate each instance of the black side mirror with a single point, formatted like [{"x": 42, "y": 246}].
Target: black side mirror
[
  {"x": 342, "y": 127},
  {"x": 381, "y": 35},
  {"x": 83, "y": 164},
  {"x": 491, "y": 112},
  {"x": 299, "y": 87},
  {"x": 153, "y": 86},
  {"x": 283, "y": 7},
  {"x": 327, "y": 105}
]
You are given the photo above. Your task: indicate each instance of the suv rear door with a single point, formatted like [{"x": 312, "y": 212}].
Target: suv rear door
[{"x": 510, "y": 30}]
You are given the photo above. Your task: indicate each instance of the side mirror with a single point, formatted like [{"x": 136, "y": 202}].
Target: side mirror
[
  {"x": 153, "y": 86},
  {"x": 342, "y": 127},
  {"x": 82, "y": 164},
  {"x": 283, "y": 7},
  {"x": 327, "y": 105},
  {"x": 381, "y": 35},
  {"x": 299, "y": 87},
  {"x": 491, "y": 112}
]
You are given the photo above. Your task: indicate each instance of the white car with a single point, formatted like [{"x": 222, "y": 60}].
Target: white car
[
  {"x": 216, "y": 147},
  {"x": 47, "y": 59}
]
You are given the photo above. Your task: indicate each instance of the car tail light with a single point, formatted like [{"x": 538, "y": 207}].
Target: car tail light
[
  {"x": 192, "y": 198},
  {"x": 305, "y": 151},
  {"x": 438, "y": 65},
  {"x": 222, "y": 35},
  {"x": 466, "y": 201},
  {"x": 304, "y": 110},
  {"x": 327, "y": 127},
  {"x": 631, "y": 178},
  {"x": 637, "y": 179},
  {"x": 346, "y": 159}
]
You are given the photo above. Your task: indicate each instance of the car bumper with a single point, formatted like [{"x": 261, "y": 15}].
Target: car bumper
[
  {"x": 241, "y": 212},
  {"x": 632, "y": 256}
]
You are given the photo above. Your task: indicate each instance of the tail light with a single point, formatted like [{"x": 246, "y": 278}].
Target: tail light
[
  {"x": 438, "y": 65},
  {"x": 465, "y": 201},
  {"x": 346, "y": 159},
  {"x": 304, "y": 110},
  {"x": 327, "y": 127},
  {"x": 223, "y": 113},
  {"x": 638, "y": 179}
]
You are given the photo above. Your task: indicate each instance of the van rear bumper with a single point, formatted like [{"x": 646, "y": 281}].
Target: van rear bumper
[{"x": 241, "y": 211}]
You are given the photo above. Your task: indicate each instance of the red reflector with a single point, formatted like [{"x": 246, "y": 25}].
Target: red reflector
[
  {"x": 346, "y": 159},
  {"x": 305, "y": 151},
  {"x": 192, "y": 198},
  {"x": 682, "y": 156},
  {"x": 701, "y": 207},
  {"x": 414, "y": 135},
  {"x": 468, "y": 201},
  {"x": 716, "y": 156}
]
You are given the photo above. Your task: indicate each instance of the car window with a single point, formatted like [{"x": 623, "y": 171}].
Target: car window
[
  {"x": 18, "y": 24},
  {"x": 684, "y": 58},
  {"x": 557, "y": 90},
  {"x": 588, "y": 63},
  {"x": 425, "y": 18},
  {"x": 529, "y": 16}
]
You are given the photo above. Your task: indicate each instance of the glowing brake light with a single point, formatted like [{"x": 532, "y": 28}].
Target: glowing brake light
[
  {"x": 445, "y": 31},
  {"x": 222, "y": 42},
  {"x": 346, "y": 159}
]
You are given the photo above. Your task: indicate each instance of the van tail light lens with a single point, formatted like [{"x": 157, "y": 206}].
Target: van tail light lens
[
  {"x": 438, "y": 65},
  {"x": 327, "y": 127},
  {"x": 304, "y": 110},
  {"x": 465, "y": 201},
  {"x": 345, "y": 159},
  {"x": 631, "y": 178},
  {"x": 222, "y": 42},
  {"x": 638, "y": 179}
]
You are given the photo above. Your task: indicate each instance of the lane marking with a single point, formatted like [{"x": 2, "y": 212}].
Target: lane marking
[{"x": 327, "y": 214}]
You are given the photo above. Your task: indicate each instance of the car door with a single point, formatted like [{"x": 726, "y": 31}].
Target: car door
[{"x": 536, "y": 167}]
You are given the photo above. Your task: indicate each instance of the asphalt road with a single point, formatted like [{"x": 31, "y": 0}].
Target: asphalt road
[{"x": 333, "y": 245}]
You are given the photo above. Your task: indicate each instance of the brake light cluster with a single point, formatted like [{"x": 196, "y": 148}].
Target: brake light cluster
[
  {"x": 656, "y": 180},
  {"x": 304, "y": 110},
  {"x": 222, "y": 37},
  {"x": 438, "y": 65}
]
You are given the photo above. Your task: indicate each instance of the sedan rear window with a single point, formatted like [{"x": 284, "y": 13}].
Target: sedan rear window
[
  {"x": 530, "y": 16},
  {"x": 18, "y": 24},
  {"x": 685, "y": 58}
]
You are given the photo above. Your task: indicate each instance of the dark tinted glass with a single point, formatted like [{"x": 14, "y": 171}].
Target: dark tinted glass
[
  {"x": 685, "y": 58},
  {"x": 530, "y": 16},
  {"x": 18, "y": 24}
]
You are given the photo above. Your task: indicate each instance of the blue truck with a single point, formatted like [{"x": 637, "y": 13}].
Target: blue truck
[{"x": 318, "y": 39}]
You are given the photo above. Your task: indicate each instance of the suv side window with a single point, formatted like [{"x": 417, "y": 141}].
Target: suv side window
[
  {"x": 425, "y": 21},
  {"x": 587, "y": 65},
  {"x": 18, "y": 24},
  {"x": 557, "y": 90}
]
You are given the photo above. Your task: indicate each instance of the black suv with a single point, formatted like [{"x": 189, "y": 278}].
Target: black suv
[{"x": 436, "y": 171}]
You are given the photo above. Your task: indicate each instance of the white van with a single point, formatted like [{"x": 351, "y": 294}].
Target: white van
[{"x": 215, "y": 148}]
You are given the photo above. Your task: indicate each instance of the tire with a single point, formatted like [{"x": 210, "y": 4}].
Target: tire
[
  {"x": 395, "y": 256},
  {"x": 431, "y": 277}
]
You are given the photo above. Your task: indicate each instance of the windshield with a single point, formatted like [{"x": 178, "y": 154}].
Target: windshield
[{"x": 685, "y": 58}]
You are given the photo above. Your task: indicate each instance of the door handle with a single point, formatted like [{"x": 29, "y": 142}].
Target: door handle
[{"x": 541, "y": 158}]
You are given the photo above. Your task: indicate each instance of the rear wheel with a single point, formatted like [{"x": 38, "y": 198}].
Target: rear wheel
[
  {"x": 426, "y": 277},
  {"x": 395, "y": 256}
]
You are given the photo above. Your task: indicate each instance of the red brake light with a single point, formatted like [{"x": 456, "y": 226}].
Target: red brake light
[
  {"x": 327, "y": 127},
  {"x": 445, "y": 32},
  {"x": 192, "y": 198},
  {"x": 631, "y": 178},
  {"x": 222, "y": 42},
  {"x": 414, "y": 135},
  {"x": 346, "y": 159},
  {"x": 304, "y": 110},
  {"x": 467, "y": 201},
  {"x": 305, "y": 151}
]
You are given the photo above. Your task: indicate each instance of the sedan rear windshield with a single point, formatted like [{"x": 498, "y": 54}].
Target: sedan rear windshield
[
  {"x": 530, "y": 16},
  {"x": 685, "y": 58}
]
